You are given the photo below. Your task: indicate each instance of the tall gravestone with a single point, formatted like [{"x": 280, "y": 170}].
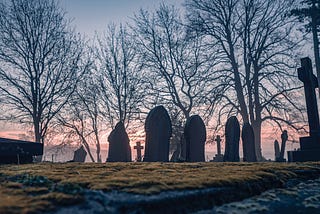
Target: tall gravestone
[
  {"x": 158, "y": 133},
  {"x": 249, "y": 151},
  {"x": 195, "y": 137},
  {"x": 119, "y": 147},
  {"x": 276, "y": 150},
  {"x": 310, "y": 145},
  {"x": 232, "y": 133},
  {"x": 284, "y": 138}
]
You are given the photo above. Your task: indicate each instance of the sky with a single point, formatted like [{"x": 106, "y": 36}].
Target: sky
[
  {"x": 94, "y": 15},
  {"x": 89, "y": 16}
]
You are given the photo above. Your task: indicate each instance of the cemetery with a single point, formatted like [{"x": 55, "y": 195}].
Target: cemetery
[
  {"x": 148, "y": 182},
  {"x": 175, "y": 106}
]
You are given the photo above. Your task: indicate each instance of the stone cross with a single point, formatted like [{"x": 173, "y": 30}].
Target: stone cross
[
  {"x": 218, "y": 140},
  {"x": 310, "y": 84},
  {"x": 138, "y": 147}
]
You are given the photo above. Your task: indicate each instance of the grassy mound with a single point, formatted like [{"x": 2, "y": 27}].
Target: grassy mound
[{"x": 42, "y": 187}]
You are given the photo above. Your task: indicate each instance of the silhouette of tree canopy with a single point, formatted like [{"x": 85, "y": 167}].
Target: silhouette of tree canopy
[
  {"x": 179, "y": 64},
  {"x": 41, "y": 60},
  {"x": 121, "y": 81},
  {"x": 255, "y": 38},
  {"x": 311, "y": 15},
  {"x": 82, "y": 120}
]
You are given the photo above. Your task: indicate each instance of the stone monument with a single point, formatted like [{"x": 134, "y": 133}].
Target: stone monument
[
  {"x": 249, "y": 151},
  {"x": 79, "y": 155},
  {"x": 195, "y": 137},
  {"x": 219, "y": 156},
  {"x": 119, "y": 147},
  {"x": 18, "y": 151},
  {"x": 232, "y": 132},
  {"x": 310, "y": 145},
  {"x": 158, "y": 133},
  {"x": 138, "y": 147},
  {"x": 276, "y": 150}
]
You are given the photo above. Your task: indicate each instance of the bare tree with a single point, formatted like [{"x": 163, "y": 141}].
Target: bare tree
[
  {"x": 179, "y": 65},
  {"x": 121, "y": 79},
  {"x": 82, "y": 118},
  {"x": 256, "y": 38},
  {"x": 40, "y": 61}
]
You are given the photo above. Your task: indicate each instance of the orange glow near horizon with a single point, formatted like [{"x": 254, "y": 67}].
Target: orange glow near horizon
[{"x": 269, "y": 135}]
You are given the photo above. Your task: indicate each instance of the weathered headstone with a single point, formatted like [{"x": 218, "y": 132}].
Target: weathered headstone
[
  {"x": 276, "y": 150},
  {"x": 79, "y": 155},
  {"x": 232, "y": 133},
  {"x": 119, "y": 147},
  {"x": 249, "y": 151},
  {"x": 309, "y": 146},
  {"x": 18, "y": 151},
  {"x": 158, "y": 132},
  {"x": 284, "y": 138},
  {"x": 138, "y": 147},
  {"x": 195, "y": 135}
]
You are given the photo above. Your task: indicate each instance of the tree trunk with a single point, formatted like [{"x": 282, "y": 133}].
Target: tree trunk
[
  {"x": 37, "y": 134},
  {"x": 256, "y": 125},
  {"x": 315, "y": 41}
]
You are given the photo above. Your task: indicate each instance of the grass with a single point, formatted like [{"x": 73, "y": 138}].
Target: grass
[{"x": 41, "y": 187}]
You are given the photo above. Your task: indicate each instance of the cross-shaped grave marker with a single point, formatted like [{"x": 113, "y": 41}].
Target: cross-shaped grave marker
[{"x": 138, "y": 147}]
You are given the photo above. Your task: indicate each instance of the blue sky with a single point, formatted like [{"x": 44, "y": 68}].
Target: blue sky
[{"x": 94, "y": 15}]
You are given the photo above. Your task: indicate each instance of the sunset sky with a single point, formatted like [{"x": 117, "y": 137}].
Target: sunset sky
[{"x": 90, "y": 16}]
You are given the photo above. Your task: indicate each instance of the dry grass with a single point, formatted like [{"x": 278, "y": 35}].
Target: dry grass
[{"x": 39, "y": 187}]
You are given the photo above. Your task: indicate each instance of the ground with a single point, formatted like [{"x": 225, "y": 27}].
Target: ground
[{"x": 43, "y": 187}]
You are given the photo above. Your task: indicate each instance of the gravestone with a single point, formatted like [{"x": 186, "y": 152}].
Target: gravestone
[
  {"x": 79, "y": 155},
  {"x": 138, "y": 147},
  {"x": 276, "y": 150},
  {"x": 249, "y": 151},
  {"x": 195, "y": 137},
  {"x": 284, "y": 138},
  {"x": 119, "y": 147},
  {"x": 232, "y": 133},
  {"x": 310, "y": 145},
  {"x": 158, "y": 133},
  {"x": 219, "y": 156},
  {"x": 18, "y": 151}
]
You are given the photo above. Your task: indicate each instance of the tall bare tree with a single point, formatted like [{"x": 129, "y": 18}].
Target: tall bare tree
[
  {"x": 179, "y": 65},
  {"x": 121, "y": 79},
  {"x": 40, "y": 61},
  {"x": 256, "y": 38},
  {"x": 82, "y": 118}
]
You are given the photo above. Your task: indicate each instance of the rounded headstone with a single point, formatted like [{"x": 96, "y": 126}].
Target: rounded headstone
[
  {"x": 195, "y": 137},
  {"x": 119, "y": 147},
  {"x": 232, "y": 133},
  {"x": 249, "y": 151},
  {"x": 158, "y": 133}
]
